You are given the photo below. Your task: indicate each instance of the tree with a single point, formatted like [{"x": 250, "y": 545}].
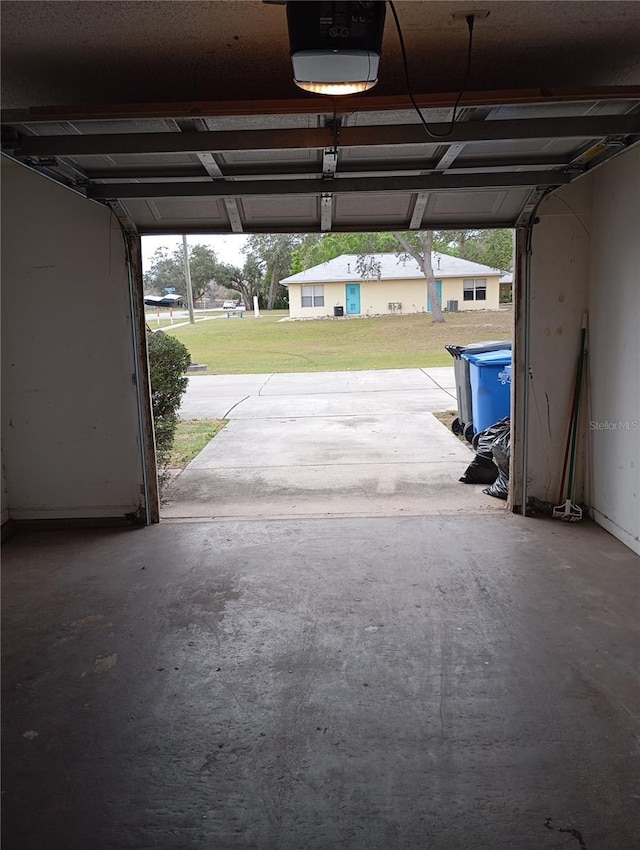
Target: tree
[
  {"x": 272, "y": 253},
  {"x": 164, "y": 274},
  {"x": 247, "y": 281},
  {"x": 419, "y": 245},
  {"x": 490, "y": 247},
  {"x": 167, "y": 270},
  {"x": 318, "y": 248},
  {"x": 252, "y": 280}
]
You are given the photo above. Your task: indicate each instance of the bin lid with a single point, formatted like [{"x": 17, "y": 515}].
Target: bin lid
[
  {"x": 477, "y": 347},
  {"x": 455, "y": 350},
  {"x": 489, "y": 358}
]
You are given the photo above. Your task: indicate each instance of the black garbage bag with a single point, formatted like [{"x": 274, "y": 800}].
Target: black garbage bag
[
  {"x": 483, "y": 441},
  {"x": 501, "y": 450},
  {"x": 482, "y": 469}
]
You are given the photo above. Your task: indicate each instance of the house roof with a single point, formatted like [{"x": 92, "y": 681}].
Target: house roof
[{"x": 392, "y": 267}]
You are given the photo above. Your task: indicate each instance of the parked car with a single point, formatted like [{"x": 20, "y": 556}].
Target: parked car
[
  {"x": 229, "y": 305},
  {"x": 242, "y": 305},
  {"x": 163, "y": 300}
]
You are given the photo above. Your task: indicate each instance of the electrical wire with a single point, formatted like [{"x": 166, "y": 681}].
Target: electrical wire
[
  {"x": 335, "y": 128},
  {"x": 363, "y": 95},
  {"x": 430, "y": 133},
  {"x": 568, "y": 205}
]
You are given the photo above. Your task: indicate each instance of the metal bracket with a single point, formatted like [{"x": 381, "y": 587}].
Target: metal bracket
[
  {"x": 524, "y": 219},
  {"x": 418, "y": 210},
  {"x": 326, "y": 211},
  {"x": 329, "y": 162},
  {"x": 126, "y": 222},
  {"x": 233, "y": 212}
]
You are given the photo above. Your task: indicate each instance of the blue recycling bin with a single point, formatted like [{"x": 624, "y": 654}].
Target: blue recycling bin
[
  {"x": 490, "y": 377},
  {"x": 463, "y": 382}
]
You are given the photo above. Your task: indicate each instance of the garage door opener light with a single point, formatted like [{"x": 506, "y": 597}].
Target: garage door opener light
[{"x": 335, "y": 47}]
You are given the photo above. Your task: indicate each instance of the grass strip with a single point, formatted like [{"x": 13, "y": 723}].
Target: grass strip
[{"x": 192, "y": 435}]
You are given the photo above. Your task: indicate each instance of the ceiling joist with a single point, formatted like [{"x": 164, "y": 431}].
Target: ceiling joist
[
  {"x": 350, "y": 137},
  {"x": 222, "y": 189},
  {"x": 315, "y": 105},
  {"x": 352, "y": 168}
]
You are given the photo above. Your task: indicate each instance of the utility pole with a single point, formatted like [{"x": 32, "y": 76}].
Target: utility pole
[{"x": 187, "y": 275}]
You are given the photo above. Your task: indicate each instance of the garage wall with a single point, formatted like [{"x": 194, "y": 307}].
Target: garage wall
[
  {"x": 69, "y": 410},
  {"x": 5, "y": 499},
  {"x": 614, "y": 301},
  {"x": 559, "y": 282},
  {"x": 586, "y": 256}
]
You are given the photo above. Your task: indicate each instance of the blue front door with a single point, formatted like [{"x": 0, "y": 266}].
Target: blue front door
[
  {"x": 353, "y": 299},
  {"x": 439, "y": 289}
]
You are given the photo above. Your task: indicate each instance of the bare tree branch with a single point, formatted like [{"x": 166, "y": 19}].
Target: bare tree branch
[{"x": 423, "y": 259}]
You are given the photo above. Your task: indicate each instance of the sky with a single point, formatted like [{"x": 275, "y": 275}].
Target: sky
[{"x": 227, "y": 247}]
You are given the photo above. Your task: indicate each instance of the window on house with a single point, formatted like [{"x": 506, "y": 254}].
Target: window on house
[
  {"x": 313, "y": 296},
  {"x": 474, "y": 289}
]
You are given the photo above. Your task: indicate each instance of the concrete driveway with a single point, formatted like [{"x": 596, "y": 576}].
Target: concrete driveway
[{"x": 325, "y": 444}]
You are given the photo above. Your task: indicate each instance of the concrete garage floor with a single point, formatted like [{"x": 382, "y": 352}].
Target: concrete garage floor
[
  {"x": 325, "y": 444},
  {"x": 433, "y": 683}
]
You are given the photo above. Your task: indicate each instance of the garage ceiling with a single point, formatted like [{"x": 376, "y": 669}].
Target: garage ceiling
[{"x": 187, "y": 119}]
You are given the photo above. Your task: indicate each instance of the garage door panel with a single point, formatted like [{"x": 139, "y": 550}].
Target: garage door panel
[
  {"x": 278, "y": 211},
  {"x": 179, "y": 211},
  {"x": 373, "y": 208},
  {"x": 484, "y": 205}
]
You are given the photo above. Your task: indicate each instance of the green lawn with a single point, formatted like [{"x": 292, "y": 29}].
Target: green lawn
[
  {"x": 192, "y": 435},
  {"x": 250, "y": 345},
  {"x": 151, "y": 319},
  {"x": 162, "y": 324}
]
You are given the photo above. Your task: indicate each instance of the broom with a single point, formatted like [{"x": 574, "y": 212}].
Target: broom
[{"x": 568, "y": 510}]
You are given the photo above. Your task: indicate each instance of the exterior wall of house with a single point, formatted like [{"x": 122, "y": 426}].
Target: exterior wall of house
[
  {"x": 585, "y": 256},
  {"x": 334, "y": 294},
  {"x": 453, "y": 290},
  {"x": 375, "y": 297},
  {"x": 70, "y": 424}
]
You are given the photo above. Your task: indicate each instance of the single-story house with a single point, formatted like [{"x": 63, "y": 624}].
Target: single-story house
[
  {"x": 506, "y": 288},
  {"x": 397, "y": 285}
]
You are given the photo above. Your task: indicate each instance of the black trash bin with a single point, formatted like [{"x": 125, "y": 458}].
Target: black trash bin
[
  {"x": 338, "y": 311},
  {"x": 463, "y": 423}
]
